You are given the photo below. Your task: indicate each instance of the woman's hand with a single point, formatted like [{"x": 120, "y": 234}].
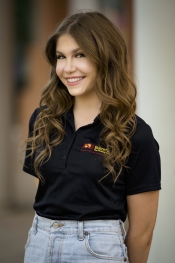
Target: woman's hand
[{"x": 142, "y": 212}]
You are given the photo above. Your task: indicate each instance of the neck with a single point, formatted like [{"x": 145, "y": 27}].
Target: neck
[
  {"x": 87, "y": 107},
  {"x": 85, "y": 111}
]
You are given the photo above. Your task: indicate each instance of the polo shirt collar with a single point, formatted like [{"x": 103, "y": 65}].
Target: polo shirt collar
[{"x": 69, "y": 116}]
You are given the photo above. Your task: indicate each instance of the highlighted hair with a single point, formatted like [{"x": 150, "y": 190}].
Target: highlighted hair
[{"x": 103, "y": 44}]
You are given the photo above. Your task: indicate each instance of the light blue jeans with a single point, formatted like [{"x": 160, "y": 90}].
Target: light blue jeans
[{"x": 95, "y": 241}]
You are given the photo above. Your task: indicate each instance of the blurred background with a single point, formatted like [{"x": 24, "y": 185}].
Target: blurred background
[{"x": 149, "y": 31}]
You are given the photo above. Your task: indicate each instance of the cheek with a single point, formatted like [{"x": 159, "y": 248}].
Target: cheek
[
  {"x": 59, "y": 69},
  {"x": 88, "y": 68}
]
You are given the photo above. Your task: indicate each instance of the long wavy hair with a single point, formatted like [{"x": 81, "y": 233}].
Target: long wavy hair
[{"x": 104, "y": 46}]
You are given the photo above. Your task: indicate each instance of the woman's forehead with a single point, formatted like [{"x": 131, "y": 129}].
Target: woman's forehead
[{"x": 66, "y": 42}]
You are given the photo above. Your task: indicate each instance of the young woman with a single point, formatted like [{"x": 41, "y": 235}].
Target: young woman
[{"x": 96, "y": 161}]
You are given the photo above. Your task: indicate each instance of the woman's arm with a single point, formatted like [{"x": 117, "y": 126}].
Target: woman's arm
[{"x": 142, "y": 212}]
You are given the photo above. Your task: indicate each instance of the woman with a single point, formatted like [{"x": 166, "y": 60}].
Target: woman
[{"x": 96, "y": 161}]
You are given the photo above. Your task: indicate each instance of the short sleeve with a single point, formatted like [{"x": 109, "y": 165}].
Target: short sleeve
[
  {"x": 28, "y": 166},
  {"x": 144, "y": 172}
]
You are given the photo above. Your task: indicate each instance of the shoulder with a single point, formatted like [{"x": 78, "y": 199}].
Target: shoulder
[
  {"x": 143, "y": 135},
  {"x": 34, "y": 116},
  {"x": 144, "y": 161}
]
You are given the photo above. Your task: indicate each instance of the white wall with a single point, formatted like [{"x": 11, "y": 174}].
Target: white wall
[{"x": 154, "y": 55}]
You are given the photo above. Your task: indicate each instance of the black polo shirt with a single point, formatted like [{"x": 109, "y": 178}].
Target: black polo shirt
[{"x": 72, "y": 190}]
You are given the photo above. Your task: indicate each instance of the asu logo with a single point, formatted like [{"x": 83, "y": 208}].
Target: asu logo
[{"x": 89, "y": 147}]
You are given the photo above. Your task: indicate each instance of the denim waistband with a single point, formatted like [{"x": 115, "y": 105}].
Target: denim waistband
[{"x": 77, "y": 227}]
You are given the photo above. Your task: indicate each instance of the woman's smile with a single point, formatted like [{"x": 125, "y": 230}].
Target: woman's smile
[{"x": 74, "y": 80}]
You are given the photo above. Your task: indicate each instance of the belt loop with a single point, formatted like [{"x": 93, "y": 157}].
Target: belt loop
[
  {"x": 123, "y": 229},
  {"x": 80, "y": 230},
  {"x": 35, "y": 223}
]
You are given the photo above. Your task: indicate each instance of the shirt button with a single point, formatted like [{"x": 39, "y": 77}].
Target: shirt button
[
  {"x": 86, "y": 233},
  {"x": 64, "y": 157},
  {"x": 125, "y": 259}
]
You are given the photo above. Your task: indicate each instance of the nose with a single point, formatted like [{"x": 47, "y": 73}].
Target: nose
[{"x": 69, "y": 65}]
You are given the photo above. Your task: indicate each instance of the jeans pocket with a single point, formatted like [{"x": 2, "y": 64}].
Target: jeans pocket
[
  {"x": 28, "y": 239},
  {"x": 105, "y": 245}
]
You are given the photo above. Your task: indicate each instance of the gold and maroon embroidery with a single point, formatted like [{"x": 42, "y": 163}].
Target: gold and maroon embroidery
[{"x": 89, "y": 147}]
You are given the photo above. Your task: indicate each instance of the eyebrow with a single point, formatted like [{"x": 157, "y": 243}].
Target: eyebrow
[{"x": 73, "y": 51}]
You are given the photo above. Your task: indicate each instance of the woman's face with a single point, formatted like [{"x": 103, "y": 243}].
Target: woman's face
[{"x": 73, "y": 68}]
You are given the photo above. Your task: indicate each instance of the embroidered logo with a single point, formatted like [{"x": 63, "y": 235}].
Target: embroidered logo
[{"x": 89, "y": 147}]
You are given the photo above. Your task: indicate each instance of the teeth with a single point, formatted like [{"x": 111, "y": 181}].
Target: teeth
[{"x": 74, "y": 79}]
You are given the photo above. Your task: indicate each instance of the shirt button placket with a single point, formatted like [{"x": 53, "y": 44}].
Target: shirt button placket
[{"x": 64, "y": 161}]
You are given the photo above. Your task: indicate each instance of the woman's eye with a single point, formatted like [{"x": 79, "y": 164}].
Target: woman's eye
[
  {"x": 80, "y": 55},
  {"x": 60, "y": 56}
]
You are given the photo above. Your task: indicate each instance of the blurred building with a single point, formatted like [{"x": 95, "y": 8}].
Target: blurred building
[{"x": 24, "y": 72}]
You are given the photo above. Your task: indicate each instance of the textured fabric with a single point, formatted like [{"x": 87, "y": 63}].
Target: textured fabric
[
  {"x": 99, "y": 241},
  {"x": 72, "y": 190}
]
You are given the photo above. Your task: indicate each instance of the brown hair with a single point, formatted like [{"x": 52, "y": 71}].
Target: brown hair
[{"x": 103, "y": 44}]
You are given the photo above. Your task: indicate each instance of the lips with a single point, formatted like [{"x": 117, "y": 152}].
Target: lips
[{"x": 74, "y": 81}]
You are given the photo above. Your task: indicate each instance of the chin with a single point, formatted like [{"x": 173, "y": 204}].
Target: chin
[{"x": 75, "y": 93}]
